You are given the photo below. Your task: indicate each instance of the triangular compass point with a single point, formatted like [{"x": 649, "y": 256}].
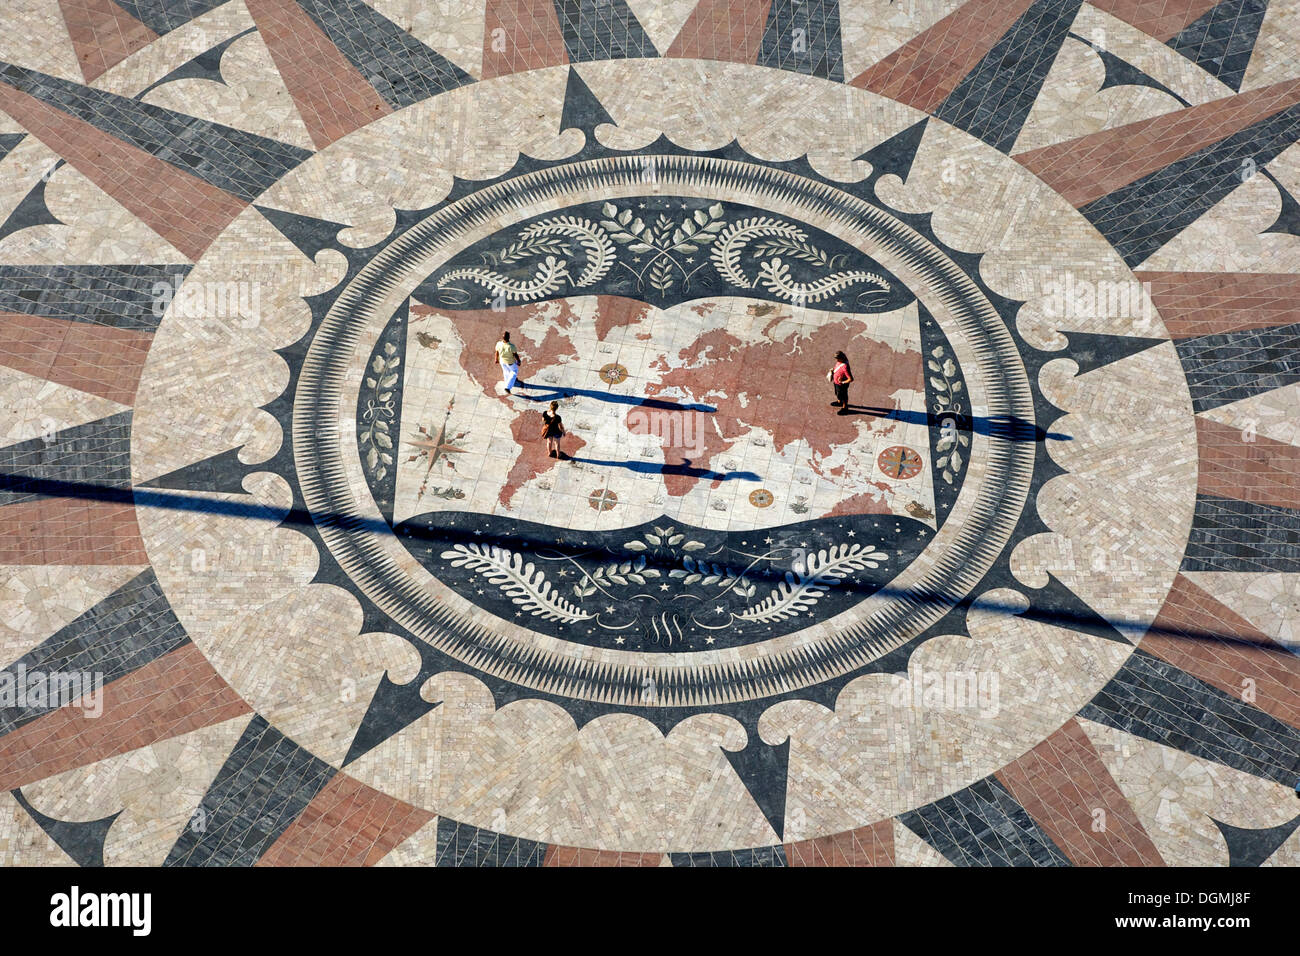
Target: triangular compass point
[
  {"x": 582, "y": 111},
  {"x": 764, "y": 770}
]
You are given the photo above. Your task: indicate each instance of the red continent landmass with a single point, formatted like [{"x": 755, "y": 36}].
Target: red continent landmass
[
  {"x": 863, "y": 503},
  {"x": 533, "y": 458},
  {"x": 615, "y": 312},
  {"x": 781, "y": 385},
  {"x": 480, "y": 330}
]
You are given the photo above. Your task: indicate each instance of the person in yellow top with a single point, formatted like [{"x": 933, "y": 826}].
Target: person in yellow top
[{"x": 509, "y": 358}]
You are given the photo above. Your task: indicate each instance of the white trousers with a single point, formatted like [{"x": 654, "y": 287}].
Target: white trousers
[{"x": 510, "y": 374}]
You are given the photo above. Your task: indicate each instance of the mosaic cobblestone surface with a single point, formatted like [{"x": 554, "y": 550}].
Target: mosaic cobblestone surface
[{"x": 289, "y": 576}]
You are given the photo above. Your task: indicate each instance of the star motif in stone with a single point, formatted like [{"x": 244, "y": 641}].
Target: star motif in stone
[
  {"x": 479, "y": 591},
  {"x": 839, "y": 303},
  {"x": 663, "y": 587},
  {"x": 609, "y": 609},
  {"x": 853, "y": 534},
  {"x": 767, "y": 540},
  {"x": 709, "y": 639},
  {"x": 803, "y": 544},
  {"x": 718, "y": 608},
  {"x": 618, "y": 640},
  {"x": 564, "y": 572}
]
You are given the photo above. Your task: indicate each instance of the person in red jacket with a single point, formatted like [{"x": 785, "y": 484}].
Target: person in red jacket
[{"x": 841, "y": 376}]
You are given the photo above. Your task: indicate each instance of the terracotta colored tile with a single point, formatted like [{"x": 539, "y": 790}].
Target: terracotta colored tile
[
  {"x": 99, "y": 359},
  {"x": 1089, "y": 167},
  {"x": 181, "y": 208},
  {"x": 346, "y": 824},
  {"x": 866, "y": 846},
  {"x": 521, "y": 35},
  {"x": 923, "y": 71},
  {"x": 1212, "y": 642},
  {"x": 173, "y": 695},
  {"x": 332, "y": 97},
  {"x": 103, "y": 34},
  {"x": 723, "y": 30},
  {"x": 1063, "y": 784},
  {"x": 70, "y": 531},
  {"x": 575, "y": 856},
  {"x": 1162, "y": 19},
  {"x": 1262, "y": 470},
  {"x": 1210, "y": 303}
]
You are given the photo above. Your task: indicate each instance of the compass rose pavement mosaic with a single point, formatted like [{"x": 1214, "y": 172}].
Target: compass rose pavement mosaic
[{"x": 291, "y": 575}]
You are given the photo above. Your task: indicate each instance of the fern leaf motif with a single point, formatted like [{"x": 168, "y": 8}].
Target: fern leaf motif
[
  {"x": 733, "y": 240},
  {"x": 600, "y": 251},
  {"x": 807, "y": 582},
  {"x": 547, "y": 280},
  {"x": 775, "y": 277},
  {"x": 524, "y": 584}
]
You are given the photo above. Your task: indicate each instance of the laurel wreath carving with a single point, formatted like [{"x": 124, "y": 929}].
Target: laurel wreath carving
[
  {"x": 733, "y": 240},
  {"x": 775, "y": 277},
  {"x": 524, "y": 584},
  {"x": 600, "y": 252},
  {"x": 376, "y": 435},
  {"x": 621, "y": 573},
  {"x": 948, "y": 388},
  {"x": 707, "y": 573},
  {"x": 547, "y": 280},
  {"x": 808, "y": 581},
  {"x": 662, "y": 251}
]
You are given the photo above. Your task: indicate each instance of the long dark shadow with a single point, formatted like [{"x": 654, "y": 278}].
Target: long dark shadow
[
  {"x": 556, "y": 392},
  {"x": 1005, "y": 427},
  {"x": 253, "y": 511},
  {"x": 685, "y": 469}
]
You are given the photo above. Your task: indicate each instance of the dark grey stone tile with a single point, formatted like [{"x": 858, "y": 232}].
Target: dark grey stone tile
[
  {"x": 8, "y": 141},
  {"x": 1153, "y": 699},
  {"x": 243, "y": 164},
  {"x": 984, "y": 825},
  {"x": 601, "y": 30},
  {"x": 83, "y": 841},
  {"x": 400, "y": 68},
  {"x": 30, "y": 211},
  {"x": 125, "y": 297},
  {"x": 1141, "y": 217},
  {"x": 1232, "y": 535},
  {"x": 127, "y": 630},
  {"x": 803, "y": 36},
  {"x": 1253, "y": 847},
  {"x": 994, "y": 99},
  {"x": 1231, "y": 366},
  {"x": 95, "y": 456},
  {"x": 760, "y": 856},
  {"x": 1223, "y": 39},
  {"x": 163, "y": 16},
  {"x": 460, "y": 844},
  {"x": 265, "y": 784}
]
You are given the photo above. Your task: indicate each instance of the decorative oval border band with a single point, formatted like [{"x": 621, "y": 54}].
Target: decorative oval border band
[{"x": 983, "y": 519}]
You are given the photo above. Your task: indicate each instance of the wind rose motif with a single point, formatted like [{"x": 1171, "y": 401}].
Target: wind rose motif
[
  {"x": 436, "y": 449},
  {"x": 662, "y": 254}
]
